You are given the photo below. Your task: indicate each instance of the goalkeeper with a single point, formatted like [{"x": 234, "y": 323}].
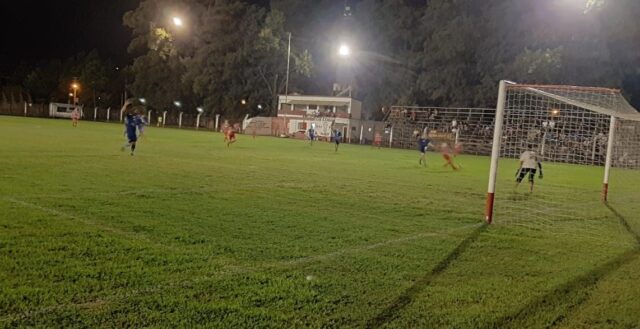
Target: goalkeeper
[{"x": 529, "y": 163}]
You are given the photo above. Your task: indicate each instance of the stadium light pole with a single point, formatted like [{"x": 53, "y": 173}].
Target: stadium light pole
[
  {"x": 344, "y": 51},
  {"x": 75, "y": 86},
  {"x": 286, "y": 85}
]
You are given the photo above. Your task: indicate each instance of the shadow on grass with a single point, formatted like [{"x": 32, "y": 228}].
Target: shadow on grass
[
  {"x": 391, "y": 312},
  {"x": 623, "y": 221},
  {"x": 567, "y": 297}
]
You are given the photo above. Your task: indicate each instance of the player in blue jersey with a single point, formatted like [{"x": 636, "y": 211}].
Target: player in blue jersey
[
  {"x": 131, "y": 127},
  {"x": 337, "y": 138},
  {"x": 423, "y": 142},
  {"x": 312, "y": 135}
]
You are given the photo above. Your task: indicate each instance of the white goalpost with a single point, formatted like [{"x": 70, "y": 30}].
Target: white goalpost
[{"x": 585, "y": 137}]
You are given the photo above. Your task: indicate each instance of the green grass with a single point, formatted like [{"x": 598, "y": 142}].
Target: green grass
[{"x": 273, "y": 233}]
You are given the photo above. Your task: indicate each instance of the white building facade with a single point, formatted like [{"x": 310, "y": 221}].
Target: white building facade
[{"x": 324, "y": 113}]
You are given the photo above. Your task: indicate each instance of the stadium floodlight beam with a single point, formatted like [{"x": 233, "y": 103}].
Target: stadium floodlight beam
[
  {"x": 259, "y": 106},
  {"x": 177, "y": 21},
  {"x": 243, "y": 102},
  {"x": 344, "y": 50},
  {"x": 177, "y": 104},
  {"x": 142, "y": 100},
  {"x": 200, "y": 109}
]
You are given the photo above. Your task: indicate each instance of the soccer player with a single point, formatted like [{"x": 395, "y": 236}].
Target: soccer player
[
  {"x": 377, "y": 140},
  {"x": 230, "y": 136},
  {"x": 130, "y": 130},
  {"x": 75, "y": 116},
  {"x": 423, "y": 142},
  {"x": 312, "y": 135},
  {"x": 529, "y": 162},
  {"x": 337, "y": 138},
  {"x": 448, "y": 157}
]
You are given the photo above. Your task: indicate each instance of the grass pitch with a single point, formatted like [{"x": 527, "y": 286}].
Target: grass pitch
[{"x": 274, "y": 233}]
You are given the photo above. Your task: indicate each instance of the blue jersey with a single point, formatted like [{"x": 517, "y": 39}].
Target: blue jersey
[
  {"x": 422, "y": 144},
  {"x": 131, "y": 127}
]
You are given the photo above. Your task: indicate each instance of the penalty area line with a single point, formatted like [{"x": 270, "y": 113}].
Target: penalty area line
[{"x": 85, "y": 221}]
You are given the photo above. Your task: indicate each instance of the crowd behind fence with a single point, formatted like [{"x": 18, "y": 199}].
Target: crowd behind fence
[{"x": 578, "y": 139}]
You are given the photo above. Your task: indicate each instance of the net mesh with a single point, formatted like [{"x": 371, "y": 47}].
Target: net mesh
[
  {"x": 472, "y": 127},
  {"x": 568, "y": 128},
  {"x": 624, "y": 181}
]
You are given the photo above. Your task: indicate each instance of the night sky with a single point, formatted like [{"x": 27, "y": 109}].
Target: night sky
[{"x": 34, "y": 30}]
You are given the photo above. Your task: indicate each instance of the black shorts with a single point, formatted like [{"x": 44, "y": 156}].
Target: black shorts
[
  {"x": 337, "y": 141},
  {"x": 524, "y": 172}
]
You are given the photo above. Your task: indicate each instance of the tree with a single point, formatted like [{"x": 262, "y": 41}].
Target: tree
[
  {"x": 236, "y": 52},
  {"x": 94, "y": 77},
  {"x": 385, "y": 71},
  {"x": 42, "y": 82}
]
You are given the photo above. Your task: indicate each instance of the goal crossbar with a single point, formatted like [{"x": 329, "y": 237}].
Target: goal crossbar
[{"x": 629, "y": 113}]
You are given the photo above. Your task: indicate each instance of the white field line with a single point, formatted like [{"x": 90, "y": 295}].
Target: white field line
[
  {"x": 311, "y": 259},
  {"x": 106, "y": 228},
  {"x": 234, "y": 270}
]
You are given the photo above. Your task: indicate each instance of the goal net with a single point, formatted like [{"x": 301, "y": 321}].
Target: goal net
[
  {"x": 472, "y": 127},
  {"x": 588, "y": 142}
]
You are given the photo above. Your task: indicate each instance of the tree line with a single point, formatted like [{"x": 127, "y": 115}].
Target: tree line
[{"x": 230, "y": 57}]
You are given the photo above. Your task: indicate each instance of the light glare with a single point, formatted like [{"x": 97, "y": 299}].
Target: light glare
[{"x": 344, "y": 50}]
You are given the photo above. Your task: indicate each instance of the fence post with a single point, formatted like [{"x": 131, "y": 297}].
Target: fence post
[
  {"x": 164, "y": 118},
  {"x": 95, "y": 113},
  {"x": 149, "y": 117},
  {"x": 217, "y": 121},
  {"x": 198, "y": 121},
  {"x": 25, "y": 109},
  {"x": 361, "y": 129},
  {"x": 108, "y": 114},
  {"x": 180, "y": 120}
]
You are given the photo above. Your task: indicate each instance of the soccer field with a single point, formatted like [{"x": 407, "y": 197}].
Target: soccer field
[{"x": 274, "y": 233}]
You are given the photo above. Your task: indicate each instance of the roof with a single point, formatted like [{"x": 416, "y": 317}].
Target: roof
[{"x": 315, "y": 100}]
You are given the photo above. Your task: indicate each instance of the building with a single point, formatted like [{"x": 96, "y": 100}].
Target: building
[{"x": 326, "y": 113}]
